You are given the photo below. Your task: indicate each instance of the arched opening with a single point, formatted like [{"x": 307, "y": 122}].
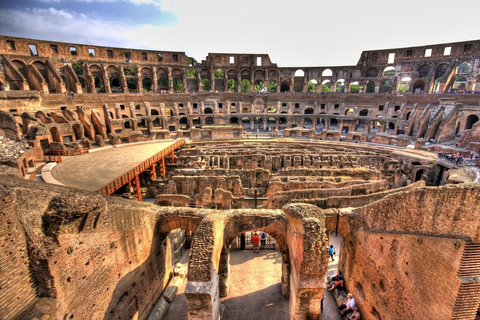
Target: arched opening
[
  {"x": 298, "y": 80},
  {"x": 371, "y": 73},
  {"x": 460, "y": 84},
  {"x": 282, "y": 122},
  {"x": 209, "y": 121},
  {"x": 154, "y": 112},
  {"x": 246, "y": 123},
  {"x": 389, "y": 71},
  {"x": 309, "y": 111},
  {"x": 340, "y": 86},
  {"x": 464, "y": 68},
  {"x": 272, "y": 86},
  {"x": 363, "y": 113},
  {"x": 147, "y": 84},
  {"x": 285, "y": 86},
  {"x": 419, "y": 174},
  {"x": 271, "y": 123},
  {"x": 407, "y": 117},
  {"x": 307, "y": 123},
  {"x": 312, "y": 85},
  {"x": 354, "y": 87},
  {"x": 419, "y": 86},
  {"x": 162, "y": 82},
  {"x": 234, "y": 120},
  {"x": 404, "y": 84},
  {"x": 208, "y": 111},
  {"x": 333, "y": 123},
  {"x": 327, "y": 73},
  {"x": 370, "y": 87},
  {"x": 245, "y": 85},
  {"x": 361, "y": 125},
  {"x": 391, "y": 126},
  {"x": 183, "y": 123},
  {"x": 326, "y": 84},
  {"x": 349, "y": 112},
  {"x": 471, "y": 120},
  {"x": 423, "y": 71}
]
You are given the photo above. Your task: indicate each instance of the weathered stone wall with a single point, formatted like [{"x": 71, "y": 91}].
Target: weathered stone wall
[{"x": 18, "y": 286}]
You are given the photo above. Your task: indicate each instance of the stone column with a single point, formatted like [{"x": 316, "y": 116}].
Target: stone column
[
  {"x": 308, "y": 248},
  {"x": 155, "y": 79}
]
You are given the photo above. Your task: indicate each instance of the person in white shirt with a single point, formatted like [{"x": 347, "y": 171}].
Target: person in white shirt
[{"x": 348, "y": 306}]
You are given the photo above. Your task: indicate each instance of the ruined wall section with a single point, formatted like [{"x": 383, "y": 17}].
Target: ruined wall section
[
  {"x": 95, "y": 256},
  {"x": 448, "y": 210},
  {"x": 395, "y": 275},
  {"x": 17, "y": 284}
]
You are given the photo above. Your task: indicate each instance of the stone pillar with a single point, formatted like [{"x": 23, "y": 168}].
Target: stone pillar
[
  {"x": 155, "y": 79},
  {"x": 252, "y": 124},
  {"x": 139, "y": 81},
  {"x": 170, "y": 80},
  {"x": 308, "y": 249}
]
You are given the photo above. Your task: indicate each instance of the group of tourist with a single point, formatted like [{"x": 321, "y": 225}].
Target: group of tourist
[
  {"x": 348, "y": 308},
  {"x": 256, "y": 239}
]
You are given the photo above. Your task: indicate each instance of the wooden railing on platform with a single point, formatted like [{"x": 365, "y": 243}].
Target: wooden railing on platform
[
  {"x": 76, "y": 152},
  {"x": 115, "y": 184},
  {"x": 49, "y": 158}
]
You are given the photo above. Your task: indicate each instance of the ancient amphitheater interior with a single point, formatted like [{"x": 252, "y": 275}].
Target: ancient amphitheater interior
[{"x": 383, "y": 153}]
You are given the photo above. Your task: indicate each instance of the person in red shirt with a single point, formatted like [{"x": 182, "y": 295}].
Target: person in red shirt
[{"x": 255, "y": 240}]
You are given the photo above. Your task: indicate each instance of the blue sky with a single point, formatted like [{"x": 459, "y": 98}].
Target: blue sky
[{"x": 293, "y": 33}]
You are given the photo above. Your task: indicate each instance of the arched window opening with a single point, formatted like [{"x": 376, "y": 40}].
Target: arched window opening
[
  {"x": 423, "y": 71},
  {"x": 191, "y": 73},
  {"x": 99, "y": 85},
  {"x": 327, "y": 73},
  {"x": 219, "y": 73},
  {"x": 234, "y": 120},
  {"x": 206, "y": 85},
  {"x": 363, "y": 113},
  {"x": 285, "y": 86},
  {"x": 404, "y": 84},
  {"x": 209, "y": 121},
  {"x": 259, "y": 86},
  {"x": 307, "y": 123},
  {"x": 326, "y": 86},
  {"x": 309, "y": 111},
  {"x": 460, "y": 84},
  {"x": 349, "y": 112},
  {"x": 419, "y": 174},
  {"x": 299, "y": 73},
  {"x": 340, "y": 86},
  {"x": 232, "y": 85},
  {"x": 312, "y": 85},
  {"x": 389, "y": 71},
  {"x": 354, "y": 87},
  {"x": 371, "y": 73},
  {"x": 471, "y": 120},
  {"x": 370, "y": 87},
  {"x": 245, "y": 85},
  {"x": 464, "y": 68},
  {"x": 147, "y": 84},
  {"x": 333, "y": 123},
  {"x": 208, "y": 111},
  {"x": 407, "y": 117}
]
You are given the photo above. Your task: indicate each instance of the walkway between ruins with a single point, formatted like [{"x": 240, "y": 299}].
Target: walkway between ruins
[
  {"x": 93, "y": 170},
  {"x": 255, "y": 289}
]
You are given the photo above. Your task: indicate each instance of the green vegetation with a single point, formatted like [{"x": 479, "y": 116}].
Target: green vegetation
[
  {"x": 191, "y": 73},
  {"x": 77, "y": 67},
  {"x": 312, "y": 86},
  {"x": 162, "y": 83},
  {"x": 245, "y": 84},
  {"x": 370, "y": 87},
  {"x": 160, "y": 57},
  {"x": 355, "y": 88},
  {"x": 232, "y": 85},
  {"x": 131, "y": 84},
  {"x": 129, "y": 71},
  {"x": 258, "y": 86},
  {"x": 99, "y": 85},
  {"x": 219, "y": 73},
  {"x": 191, "y": 61},
  {"x": 177, "y": 85},
  {"x": 147, "y": 84},
  {"x": 272, "y": 86},
  {"x": 271, "y": 110},
  {"x": 206, "y": 84},
  {"x": 326, "y": 87}
]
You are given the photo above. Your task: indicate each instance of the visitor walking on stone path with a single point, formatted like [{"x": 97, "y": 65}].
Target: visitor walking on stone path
[
  {"x": 255, "y": 240},
  {"x": 331, "y": 251}
]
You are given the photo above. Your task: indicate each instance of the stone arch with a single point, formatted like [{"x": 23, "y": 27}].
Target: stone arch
[
  {"x": 423, "y": 70},
  {"x": 340, "y": 85},
  {"x": 464, "y": 68},
  {"x": 471, "y": 120},
  {"x": 308, "y": 111},
  {"x": 327, "y": 73},
  {"x": 389, "y": 71},
  {"x": 146, "y": 76},
  {"x": 97, "y": 73},
  {"x": 234, "y": 120},
  {"x": 371, "y": 73},
  {"x": 285, "y": 86},
  {"x": 209, "y": 121},
  {"x": 113, "y": 74},
  {"x": 162, "y": 78},
  {"x": 419, "y": 86},
  {"x": 363, "y": 113}
]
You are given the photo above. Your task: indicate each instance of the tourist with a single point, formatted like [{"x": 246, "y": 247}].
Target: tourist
[
  {"x": 331, "y": 251},
  {"x": 355, "y": 315},
  {"x": 336, "y": 285},
  {"x": 255, "y": 240},
  {"x": 263, "y": 239},
  {"x": 349, "y": 305}
]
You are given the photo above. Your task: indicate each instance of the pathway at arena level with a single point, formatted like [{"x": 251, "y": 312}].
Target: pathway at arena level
[
  {"x": 93, "y": 170},
  {"x": 255, "y": 289}
]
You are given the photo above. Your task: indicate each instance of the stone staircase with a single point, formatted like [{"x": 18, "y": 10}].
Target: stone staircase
[{"x": 468, "y": 297}]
